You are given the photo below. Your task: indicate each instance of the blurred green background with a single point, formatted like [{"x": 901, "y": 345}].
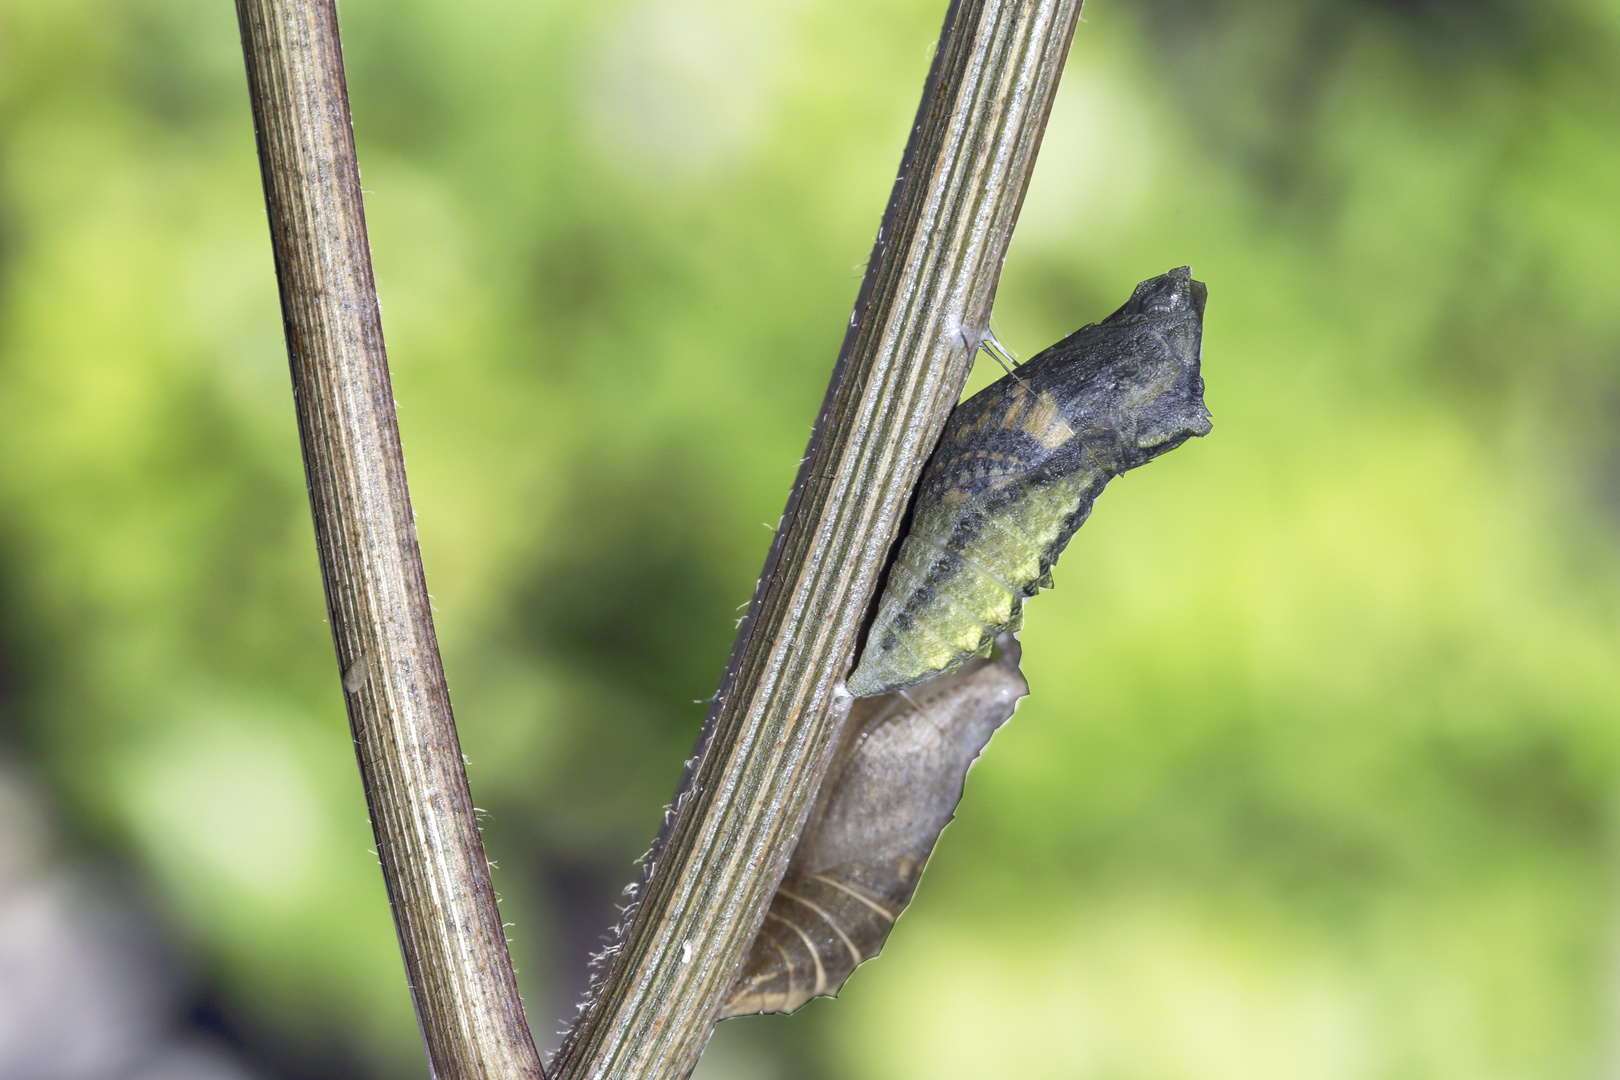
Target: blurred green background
[{"x": 1319, "y": 776}]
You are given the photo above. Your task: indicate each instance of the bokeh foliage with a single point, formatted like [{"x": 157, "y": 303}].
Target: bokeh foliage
[{"x": 1318, "y": 777}]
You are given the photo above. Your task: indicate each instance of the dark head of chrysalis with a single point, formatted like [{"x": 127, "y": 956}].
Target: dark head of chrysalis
[{"x": 1130, "y": 386}]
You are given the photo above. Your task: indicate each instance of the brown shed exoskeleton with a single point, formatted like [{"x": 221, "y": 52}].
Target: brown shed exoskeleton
[{"x": 891, "y": 788}]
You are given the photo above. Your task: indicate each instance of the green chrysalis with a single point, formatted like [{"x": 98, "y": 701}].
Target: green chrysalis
[{"x": 1017, "y": 470}]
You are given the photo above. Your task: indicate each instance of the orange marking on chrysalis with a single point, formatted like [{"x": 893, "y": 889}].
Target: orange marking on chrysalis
[
  {"x": 1044, "y": 425},
  {"x": 1015, "y": 411}
]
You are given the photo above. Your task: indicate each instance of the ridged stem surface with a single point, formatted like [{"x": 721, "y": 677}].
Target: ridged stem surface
[
  {"x": 388, "y": 658},
  {"x": 921, "y": 312}
]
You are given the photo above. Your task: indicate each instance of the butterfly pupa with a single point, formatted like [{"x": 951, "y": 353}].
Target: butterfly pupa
[
  {"x": 892, "y": 786},
  {"x": 1017, "y": 470}
]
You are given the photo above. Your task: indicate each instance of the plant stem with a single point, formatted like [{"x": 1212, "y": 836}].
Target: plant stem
[
  {"x": 920, "y": 314},
  {"x": 399, "y": 712}
]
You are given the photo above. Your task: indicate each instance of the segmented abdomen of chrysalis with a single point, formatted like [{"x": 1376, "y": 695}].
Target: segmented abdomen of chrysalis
[{"x": 1017, "y": 470}]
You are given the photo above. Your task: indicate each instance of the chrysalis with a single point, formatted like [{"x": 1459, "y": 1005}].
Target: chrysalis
[
  {"x": 891, "y": 788},
  {"x": 1017, "y": 470}
]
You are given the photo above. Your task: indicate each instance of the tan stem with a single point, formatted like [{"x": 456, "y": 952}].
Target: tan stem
[
  {"x": 922, "y": 309},
  {"x": 399, "y": 713}
]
